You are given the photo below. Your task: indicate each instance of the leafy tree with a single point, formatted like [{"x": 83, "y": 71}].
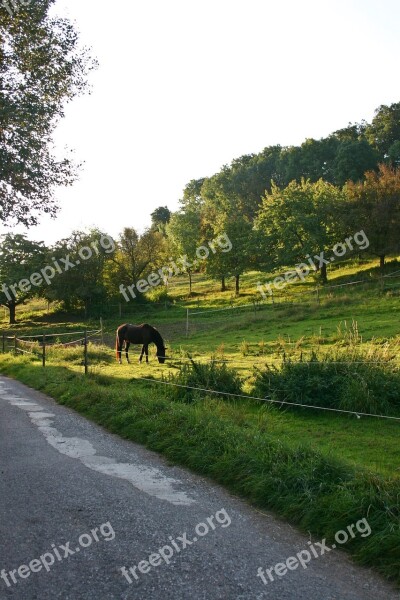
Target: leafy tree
[
  {"x": 41, "y": 68},
  {"x": 374, "y": 205},
  {"x": 159, "y": 218},
  {"x": 184, "y": 234},
  {"x": 20, "y": 259},
  {"x": 353, "y": 159},
  {"x": 79, "y": 262},
  {"x": 192, "y": 197},
  {"x": 135, "y": 256},
  {"x": 223, "y": 214},
  {"x": 312, "y": 160},
  {"x": 385, "y": 128},
  {"x": 302, "y": 221},
  {"x": 394, "y": 154},
  {"x": 241, "y": 256}
]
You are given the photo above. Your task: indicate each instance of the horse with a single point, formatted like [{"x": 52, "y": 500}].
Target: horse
[{"x": 139, "y": 334}]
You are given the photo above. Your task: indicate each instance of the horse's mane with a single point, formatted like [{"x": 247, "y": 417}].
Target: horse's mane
[{"x": 156, "y": 334}]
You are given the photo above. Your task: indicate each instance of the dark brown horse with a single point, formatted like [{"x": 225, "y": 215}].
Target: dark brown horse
[{"x": 139, "y": 334}]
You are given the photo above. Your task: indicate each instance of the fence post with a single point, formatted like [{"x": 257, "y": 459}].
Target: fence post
[
  {"x": 101, "y": 331},
  {"x": 187, "y": 322},
  {"x": 85, "y": 353},
  {"x": 120, "y": 309},
  {"x": 44, "y": 351},
  {"x": 15, "y": 345},
  {"x": 4, "y": 342},
  {"x": 318, "y": 294}
]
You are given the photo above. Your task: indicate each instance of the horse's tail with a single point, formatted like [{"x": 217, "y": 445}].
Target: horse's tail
[{"x": 118, "y": 342}]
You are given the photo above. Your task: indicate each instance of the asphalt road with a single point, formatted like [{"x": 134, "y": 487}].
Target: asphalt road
[{"x": 77, "y": 504}]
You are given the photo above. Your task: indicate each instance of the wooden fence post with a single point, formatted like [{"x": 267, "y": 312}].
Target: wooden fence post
[
  {"x": 187, "y": 322},
  {"x": 4, "y": 342},
  {"x": 85, "y": 353},
  {"x": 101, "y": 331},
  {"x": 44, "y": 351},
  {"x": 15, "y": 345}
]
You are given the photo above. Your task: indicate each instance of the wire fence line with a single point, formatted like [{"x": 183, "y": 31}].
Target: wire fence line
[{"x": 180, "y": 360}]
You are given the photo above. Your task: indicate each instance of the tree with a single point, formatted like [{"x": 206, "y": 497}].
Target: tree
[
  {"x": 135, "y": 256},
  {"x": 302, "y": 221},
  {"x": 384, "y": 129},
  {"x": 184, "y": 234},
  {"x": 41, "y": 68},
  {"x": 374, "y": 205},
  {"x": 159, "y": 218},
  {"x": 223, "y": 214},
  {"x": 21, "y": 261},
  {"x": 312, "y": 160},
  {"x": 79, "y": 277},
  {"x": 394, "y": 154},
  {"x": 353, "y": 159},
  {"x": 192, "y": 196}
]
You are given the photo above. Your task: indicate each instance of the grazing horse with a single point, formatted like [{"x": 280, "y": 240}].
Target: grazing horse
[{"x": 139, "y": 334}]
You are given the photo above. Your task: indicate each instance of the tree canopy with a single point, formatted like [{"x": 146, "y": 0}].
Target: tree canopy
[{"x": 41, "y": 69}]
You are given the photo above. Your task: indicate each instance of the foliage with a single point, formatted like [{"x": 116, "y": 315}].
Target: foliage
[
  {"x": 159, "y": 218},
  {"x": 349, "y": 380},
  {"x": 183, "y": 231},
  {"x": 41, "y": 68},
  {"x": 301, "y": 220},
  {"x": 210, "y": 376},
  {"x": 19, "y": 259},
  {"x": 135, "y": 256},
  {"x": 374, "y": 205},
  {"x": 82, "y": 284}
]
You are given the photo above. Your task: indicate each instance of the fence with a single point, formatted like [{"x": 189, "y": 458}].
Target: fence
[
  {"x": 197, "y": 320},
  {"x": 38, "y": 344}
]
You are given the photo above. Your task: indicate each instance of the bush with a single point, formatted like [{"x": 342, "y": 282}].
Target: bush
[
  {"x": 159, "y": 294},
  {"x": 210, "y": 376},
  {"x": 347, "y": 381}
]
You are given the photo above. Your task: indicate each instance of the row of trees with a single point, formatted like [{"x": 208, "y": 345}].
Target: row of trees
[
  {"x": 302, "y": 219},
  {"x": 284, "y": 203}
]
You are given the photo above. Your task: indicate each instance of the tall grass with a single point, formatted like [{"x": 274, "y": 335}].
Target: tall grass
[
  {"x": 346, "y": 379},
  {"x": 214, "y": 375}
]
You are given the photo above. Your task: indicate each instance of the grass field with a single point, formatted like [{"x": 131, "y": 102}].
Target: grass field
[{"x": 318, "y": 469}]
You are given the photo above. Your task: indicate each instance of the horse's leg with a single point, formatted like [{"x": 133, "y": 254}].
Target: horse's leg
[
  {"x": 146, "y": 348},
  {"x": 119, "y": 350},
  {"x": 141, "y": 354}
]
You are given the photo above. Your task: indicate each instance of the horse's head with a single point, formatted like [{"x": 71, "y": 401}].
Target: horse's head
[{"x": 161, "y": 354}]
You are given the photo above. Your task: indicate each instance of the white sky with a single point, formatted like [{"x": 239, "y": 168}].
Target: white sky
[{"x": 185, "y": 86}]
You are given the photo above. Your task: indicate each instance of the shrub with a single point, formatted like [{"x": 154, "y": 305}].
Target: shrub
[
  {"x": 210, "y": 376},
  {"x": 347, "y": 381},
  {"x": 159, "y": 294}
]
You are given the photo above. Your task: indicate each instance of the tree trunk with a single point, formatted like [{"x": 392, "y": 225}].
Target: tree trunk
[
  {"x": 324, "y": 277},
  {"x": 11, "y": 308},
  {"x": 382, "y": 261},
  {"x": 223, "y": 284},
  {"x": 237, "y": 284}
]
